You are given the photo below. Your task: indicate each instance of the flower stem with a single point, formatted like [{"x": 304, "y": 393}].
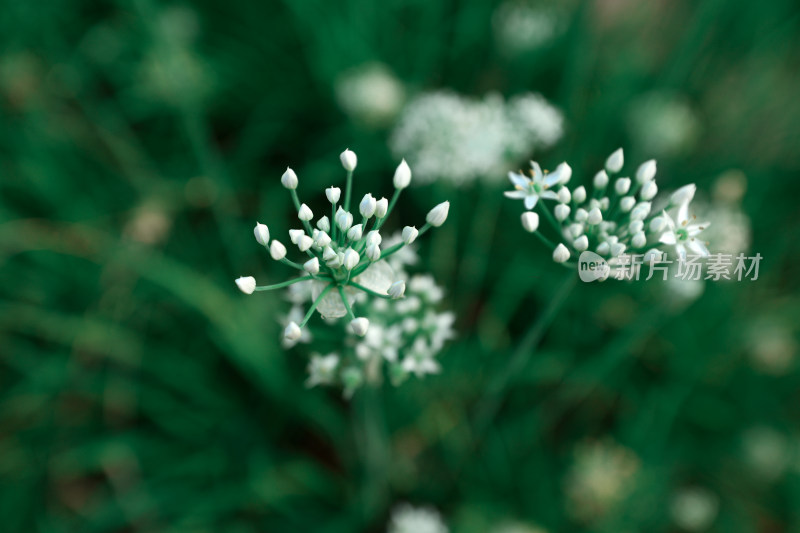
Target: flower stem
[
  {"x": 315, "y": 304},
  {"x": 350, "y": 314},
  {"x": 284, "y": 284},
  {"x": 370, "y": 291},
  {"x": 347, "y": 190},
  {"x": 491, "y": 401}
]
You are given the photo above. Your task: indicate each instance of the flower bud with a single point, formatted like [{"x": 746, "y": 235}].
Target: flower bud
[
  {"x": 617, "y": 249},
  {"x": 649, "y": 190},
  {"x": 575, "y": 230},
  {"x": 289, "y": 179},
  {"x": 530, "y": 221},
  {"x": 595, "y": 217},
  {"x": 438, "y": 214},
  {"x": 402, "y": 175},
  {"x": 333, "y": 194},
  {"x": 359, "y": 326},
  {"x": 622, "y": 186},
  {"x": 636, "y": 226},
  {"x": 277, "y": 250},
  {"x": 683, "y": 195},
  {"x": 304, "y": 243},
  {"x": 641, "y": 211},
  {"x": 322, "y": 239},
  {"x": 367, "y": 206},
  {"x": 305, "y": 213},
  {"x": 564, "y": 195},
  {"x": 262, "y": 234},
  {"x": 603, "y": 248},
  {"x": 653, "y": 255},
  {"x": 381, "y": 208},
  {"x": 581, "y": 243},
  {"x": 646, "y": 172},
  {"x": 343, "y": 219},
  {"x": 292, "y": 332},
  {"x": 639, "y": 240},
  {"x": 560, "y": 254},
  {"x": 615, "y": 161},
  {"x": 312, "y": 266},
  {"x": 295, "y": 234},
  {"x": 397, "y": 289},
  {"x": 410, "y": 234},
  {"x": 349, "y": 160},
  {"x": 373, "y": 252},
  {"x": 581, "y": 215},
  {"x": 579, "y": 195},
  {"x": 565, "y": 173},
  {"x": 627, "y": 203},
  {"x": 657, "y": 224},
  {"x": 561, "y": 212},
  {"x": 324, "y": 224},
  {"x": 604, "y": 203},
  {"x": 374, "y": 237},
  {"x": 355, "y": 232},
  {"x": 351, "y": 259},
  {"x": 328, "y": 253},
  {"x": 600, "y": 180},
  {"x": 246, "y": 284}
]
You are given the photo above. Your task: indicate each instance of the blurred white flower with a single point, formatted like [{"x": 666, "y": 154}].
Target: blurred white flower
[
  {"x": 663, "y": 124},
  {"x": 771, "y": 346},
  {"x": 600, "y": 477},
  {"x": 370, "y": 94},
  {"x": 766, "y": 452},
  {"x": 522, "y": 26},
  {"x": 408, "y": 519},
  {"x": 694, "y": 509},
  {"x": 459, "y": 139}
]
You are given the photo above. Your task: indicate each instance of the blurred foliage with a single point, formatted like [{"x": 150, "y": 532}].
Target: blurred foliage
[{"x": 140, "y": 391}]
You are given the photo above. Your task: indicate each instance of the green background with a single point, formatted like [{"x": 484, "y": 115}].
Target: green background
[{"x": 140, "y": 391}]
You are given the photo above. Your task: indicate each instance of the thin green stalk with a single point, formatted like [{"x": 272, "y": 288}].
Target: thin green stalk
[
  {"x": 347, "y": 190},
  {"x": 490, "y": 404},
  {"x": 292, "y": 264},
  {"x": 283, "y": 284},
  {"x": 315, "y": 304},
  {"x": 370, "y": 291},
  {"x": 347, "y": 307},
  {"x": 549, "y": 216}
]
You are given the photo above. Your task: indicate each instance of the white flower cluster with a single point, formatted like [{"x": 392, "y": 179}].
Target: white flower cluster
[
  {"x": 404, "y": 336},
  {"x": 408, "y": 519},
  {"x": 616, "y": 218},
  {"x": 344, "y": 258},
  {"x": 599, "y": 478},
  {"x": 351, "y": 266},
  {"x": 459, "y": 139}
]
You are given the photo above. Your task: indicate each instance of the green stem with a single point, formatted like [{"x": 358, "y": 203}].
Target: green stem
[
  {"x": 490, "y": 404},
  {"x": 350, "y": 314},
  {"x": 347, "y": 190},
  {"x": 545, "y": 240},
  {"x": 292, "y": 264},
  {"x": 315, "y": 304},
  {"x": 549, "y": 216},
  {"x": 284, "y": 284},
  {"x": 370, "y": 291}
]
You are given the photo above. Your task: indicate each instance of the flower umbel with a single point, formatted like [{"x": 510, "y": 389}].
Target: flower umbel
[
  {"x": 615, "y": 218},
  {"x": 347, "y": 265}
]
